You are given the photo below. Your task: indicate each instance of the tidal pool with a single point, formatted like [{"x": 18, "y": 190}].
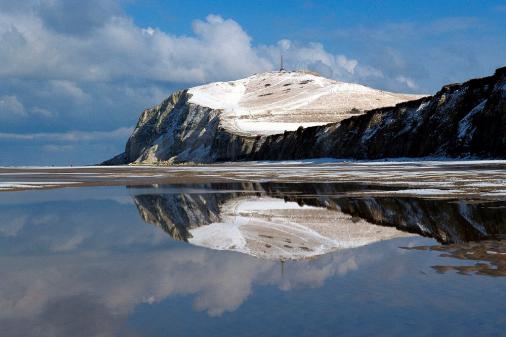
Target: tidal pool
[{"x": 365, "y": 250}]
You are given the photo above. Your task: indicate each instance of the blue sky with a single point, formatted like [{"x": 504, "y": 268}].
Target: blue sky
[{"x": 75, "y": 75}]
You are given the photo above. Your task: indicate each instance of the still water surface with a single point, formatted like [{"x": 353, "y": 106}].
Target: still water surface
[{"x": 250, "y": 259}]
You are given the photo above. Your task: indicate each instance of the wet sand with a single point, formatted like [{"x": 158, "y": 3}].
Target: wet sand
[{"x": 426, "y": 179}]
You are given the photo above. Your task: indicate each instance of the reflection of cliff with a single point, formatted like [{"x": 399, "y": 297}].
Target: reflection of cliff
[
  {"x": 448, "y": 221},
  {"x": 178, "y": 213},
  {"x": 490, "y": 257},
  {"x": 445, "y": 220},
  {"x": 257, "y": 225}
]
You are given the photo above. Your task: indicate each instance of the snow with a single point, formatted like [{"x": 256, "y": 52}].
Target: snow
[
  {"x": 423, "y": 106},
  {"x": 274, "y": 102},
  {"x": 270, "y": 127},
  {"x": 427, "y": 178},
  {"x": 465, "y": 130},
  {"x": 21, "y": 185},
  {"x": 425, "y": 191},
  {"x": 219, "y": 95}
]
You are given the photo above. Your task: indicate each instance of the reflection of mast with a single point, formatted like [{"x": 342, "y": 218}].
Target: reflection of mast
[{"x": 282, "y": 269}]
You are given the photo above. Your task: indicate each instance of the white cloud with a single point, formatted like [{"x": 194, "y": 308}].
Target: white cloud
[
  {"x": 58, "y": 148},
  {"x": 120, "y": 49},
  {"x": 43, "y": 112},
  {"x": 70, "y": 89},
  {"x": 10, "y": 106},
  {"x": 406, "y": 81},
  {"x": 117, "y": 49},
  {"x": 347, "y": 64},
  {"x": 500, "y": 8},
  {"x": 70, "y": 136},
  {"x": 314, "y": 56}
]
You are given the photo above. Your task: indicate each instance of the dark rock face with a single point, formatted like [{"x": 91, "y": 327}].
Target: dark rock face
[
  {"x": 466, "y": 119},
  {"x": 461, "y": 120}
]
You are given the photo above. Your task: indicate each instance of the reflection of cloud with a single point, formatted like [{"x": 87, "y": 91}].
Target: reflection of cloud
[
  {"x": 71, "y": 243},
  {"x": 10, "y": 226},
  {"x": 88, "y": 265},
  {"x": 39, "y": 286}
]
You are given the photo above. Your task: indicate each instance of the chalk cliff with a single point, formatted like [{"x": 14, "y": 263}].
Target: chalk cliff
[{"x": 294, "y": 115}]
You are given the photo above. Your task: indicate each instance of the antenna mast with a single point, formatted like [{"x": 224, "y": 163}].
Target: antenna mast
[{"x": 281, "y": 68}]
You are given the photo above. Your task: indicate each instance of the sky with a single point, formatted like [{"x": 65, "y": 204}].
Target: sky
[{"x": 75, "y": 75}]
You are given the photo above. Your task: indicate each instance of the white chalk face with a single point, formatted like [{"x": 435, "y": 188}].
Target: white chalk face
[
  {"x": 275, "y": 229},
  {"x": 274, "y": 102}
]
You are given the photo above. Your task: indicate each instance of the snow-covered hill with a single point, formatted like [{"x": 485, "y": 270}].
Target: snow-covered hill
[
  {"x": 230, "y": 120},
  {"x": 274, "y": 102}
]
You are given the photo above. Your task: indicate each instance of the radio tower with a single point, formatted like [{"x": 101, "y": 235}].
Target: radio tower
[{"x": 281, "y": 68}]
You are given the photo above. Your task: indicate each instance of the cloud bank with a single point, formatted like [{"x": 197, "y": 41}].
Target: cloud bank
[{"x": 91, "y": 57}]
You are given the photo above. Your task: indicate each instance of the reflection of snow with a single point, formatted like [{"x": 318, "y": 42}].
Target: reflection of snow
[{"x": 274, "y": 229}]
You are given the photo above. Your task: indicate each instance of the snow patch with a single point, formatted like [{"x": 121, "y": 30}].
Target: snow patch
[{"x": 465, "y": 132}]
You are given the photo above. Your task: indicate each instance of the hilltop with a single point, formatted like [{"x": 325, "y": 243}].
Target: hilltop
[{"x": 229, "y": 120}]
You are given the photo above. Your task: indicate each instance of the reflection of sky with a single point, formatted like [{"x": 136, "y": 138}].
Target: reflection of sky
[{"x": 91, "y": 267}]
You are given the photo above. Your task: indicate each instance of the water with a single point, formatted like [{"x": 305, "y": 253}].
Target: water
[{"x": 203, "y": 255}]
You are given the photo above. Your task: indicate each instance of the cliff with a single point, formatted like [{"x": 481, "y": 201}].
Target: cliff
[
  {"x": 225, "y": 121},
  {"x": 284, "y": 116}
]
